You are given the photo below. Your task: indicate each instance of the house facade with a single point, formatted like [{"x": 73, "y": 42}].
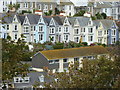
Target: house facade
[
  {"x": 107, "y": 32},
  {"x": 41, "y": 34},
  {"x": 39, "y": 29},
  {"x": 84, "y": 30},
  {"x": 4, "y": 5},
  {"x": 29, "y": 27},
  {"x": 111, "y": 9},
  {"x": 32, "y": 5}
]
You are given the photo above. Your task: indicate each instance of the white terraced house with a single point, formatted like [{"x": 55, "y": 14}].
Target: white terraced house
[{"x": 4, "y": 5}]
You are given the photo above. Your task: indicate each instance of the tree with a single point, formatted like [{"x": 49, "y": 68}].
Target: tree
[
  {"x": 104, "y": 15},
  {"x": 100, "y": 73},
  {"x": 57, "y": 11},
  {"x": 48, "y": 13},
  {"x": 80, "y": 13},
  {"x": 15, "y": 6},
  {"x": 12, "y": 55},
  {"x": 99, "y": 16}
]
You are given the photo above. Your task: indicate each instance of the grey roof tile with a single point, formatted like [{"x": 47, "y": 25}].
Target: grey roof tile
[{"x": 83, "y": 21}]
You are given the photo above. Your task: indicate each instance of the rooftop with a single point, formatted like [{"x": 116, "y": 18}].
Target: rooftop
[{"x": 74, "y": 52}]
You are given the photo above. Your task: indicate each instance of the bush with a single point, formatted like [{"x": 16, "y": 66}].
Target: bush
[
  {"x": 48, "y": 43},
  {"x": 59, "y": 43},
  {"x": 85, "y": 43},
  {"x": 104, "y": 45},
  {"x": 58, "y": 46},
  {"x": 24, "y": 11}
]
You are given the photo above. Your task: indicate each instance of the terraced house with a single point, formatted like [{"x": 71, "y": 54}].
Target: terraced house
[
  {"x": 29, "y": 27},
  {"x": 39, "y": 28},
  {"x": 107, "y": 31},
  {"x": 84, "y": 30},
  {"x": 42, "y": 29},
  {"x": 31, "y": 5},
  {"x": 12, "y": 26}
]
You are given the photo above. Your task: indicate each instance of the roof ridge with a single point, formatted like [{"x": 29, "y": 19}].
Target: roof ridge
[{"x": 70, "y": 48}]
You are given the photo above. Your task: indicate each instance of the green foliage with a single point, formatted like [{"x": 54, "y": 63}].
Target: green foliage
[
  {"x": 104, "y": 15},
  {"x": 85, "y": 43},
  {"x": 80, "y": 13},
  {"x": 16, "y": 6},
  {"x": 57, "y": 11},
  {"x": 24, "y": 11},
  {"x": 48, "y": 13},
  {"x": 99, "y": 16},
  {"x": 12, "y": 55},
  {"x": 58, "y": 46},
  {"x": 100, "y": 73},
  {"x": 93, "y": 17}
]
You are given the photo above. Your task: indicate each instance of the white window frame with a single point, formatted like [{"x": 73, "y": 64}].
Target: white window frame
[
  {"x": 90, "y": 39},
  {"x": 40, "y": 37},
  {"x": 66, "y": 37},
  {"x": 76, "y": 39},
  {"x": 26, "y": 29},
  {"x": 40, "y": 28}
]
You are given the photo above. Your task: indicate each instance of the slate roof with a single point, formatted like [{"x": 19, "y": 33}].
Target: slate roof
[
  {"x": 107, "y": 24},
  {"x": 96, "y": 22},
  {"x": 103, "y": 5},
  {"x": 47, "y": 19},
  {"x": 33, "y": 19},
  {"x": 65, "y": 2},
  {"x": 34, "y": 77},
  {"x": 6, "y": 17},
  {"x": 73, "y": 52},
  {"x": 21, "y": 18},
  {"x": 71, "y": 20},
  {"x": 83, "y": 21},
  {"x": 58, "y": 20}
]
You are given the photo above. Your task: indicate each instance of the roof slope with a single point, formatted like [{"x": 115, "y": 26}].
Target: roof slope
[
  {"x": 74, "y": 52},
  {"x": 33, "y": 19},
  {"x": 83, "y": 21}
]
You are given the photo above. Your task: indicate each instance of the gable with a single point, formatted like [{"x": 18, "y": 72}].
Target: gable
[
  {"x": 100, "y": 26},
  {"x": 26, "y": 21},
  {"x": 15, "y": 19},
  {"x": 66, "y": 22},
  {"x": 41, "y": 20},
  {"x": 76, "y": 23},
  {"x": 90, "y": 22},
  {"x": 114, "y": 25},
  {"x": 52, "y": 22}
]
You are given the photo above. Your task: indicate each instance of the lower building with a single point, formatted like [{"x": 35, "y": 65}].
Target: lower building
[{"x": 60, "y": 59}]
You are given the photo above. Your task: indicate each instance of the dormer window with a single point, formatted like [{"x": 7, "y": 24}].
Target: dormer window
[
  {"x": 52, "y": 23},
  {"x": 65, "y": 21},
  {"x": 41, "y": 78},
  {"x": 21, "y": 80},
  {"x": 89, "y": 22},
  {"x": 14, "y": 19}
]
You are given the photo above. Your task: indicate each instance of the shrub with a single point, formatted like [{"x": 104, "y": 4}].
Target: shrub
[
  {"x": 85, "y": 43},
  {"x": 58, "y": 46}
]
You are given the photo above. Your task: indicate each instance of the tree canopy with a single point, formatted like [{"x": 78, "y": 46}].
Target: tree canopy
[
  {"x": 12, "y": 55},
  {"x": 99, "y": 73}
]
